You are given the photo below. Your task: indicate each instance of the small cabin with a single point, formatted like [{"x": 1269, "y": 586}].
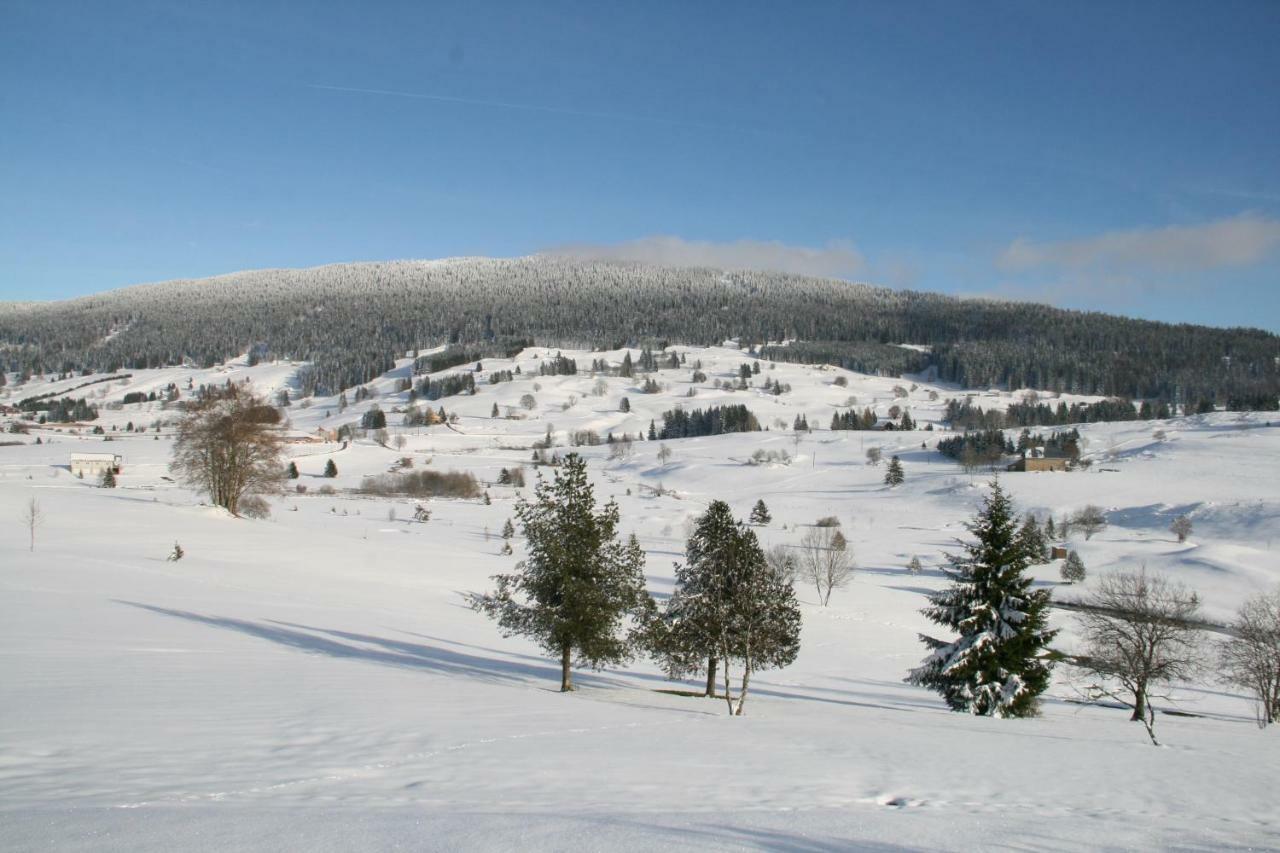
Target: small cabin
[
  {"x": 95, "y": 464},
  {"x": 1035, "y": 459}
]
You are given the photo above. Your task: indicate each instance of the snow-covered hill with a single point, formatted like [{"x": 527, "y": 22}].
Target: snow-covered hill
[{"x": 315, "y": 681}]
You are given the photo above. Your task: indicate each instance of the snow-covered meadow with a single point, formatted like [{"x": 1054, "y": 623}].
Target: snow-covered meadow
[{"x": 316, "y": 680}]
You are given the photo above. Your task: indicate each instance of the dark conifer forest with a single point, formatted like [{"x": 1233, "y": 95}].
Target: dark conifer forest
[{"x": 350, "y": 321}]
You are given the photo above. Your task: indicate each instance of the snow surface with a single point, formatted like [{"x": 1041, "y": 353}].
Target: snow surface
[{"x": 315, "y": 681}]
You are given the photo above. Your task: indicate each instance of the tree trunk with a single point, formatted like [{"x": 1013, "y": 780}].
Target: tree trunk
[
  {"x": 728, "y": 692},
  {"x": 1139, "y": 706},
  {"x": 711, "y": 675},
  {"x": 742, "y": 694},
  {"x": 566, "y": 674}
]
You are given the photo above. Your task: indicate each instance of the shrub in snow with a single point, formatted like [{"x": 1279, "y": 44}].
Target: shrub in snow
[{"x": 254, "y": 506}]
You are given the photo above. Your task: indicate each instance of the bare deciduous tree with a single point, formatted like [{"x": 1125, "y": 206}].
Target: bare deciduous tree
[
  {"x": 1251, "y": 659},
  {"x": 825, "y": 561},
  {"x": 1181, "y": 527},
  {"x": 664, "y": 454},
  {"x": 227, "y": 447},
  {"x": 782, "y": 562},
  {"x": 621, "y": 449},
  {"x": 32, "y": 517},
  {"x": 1139, "y": 633},
  {"x": 1090, "y": 520}
]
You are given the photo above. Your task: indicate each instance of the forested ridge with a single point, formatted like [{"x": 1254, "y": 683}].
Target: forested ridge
[{"x": 352, "y": 320}]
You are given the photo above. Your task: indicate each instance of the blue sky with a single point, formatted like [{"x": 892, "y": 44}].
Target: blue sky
[{"x": 1112, "y": 156}]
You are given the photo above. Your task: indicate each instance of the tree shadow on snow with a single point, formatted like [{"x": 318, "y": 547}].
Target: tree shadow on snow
[{"x": 380, "y": 650}]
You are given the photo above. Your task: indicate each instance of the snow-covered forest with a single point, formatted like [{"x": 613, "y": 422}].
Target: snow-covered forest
[
  {"x": 340, "y": 667},
  {"x": 352, "y": 321}
]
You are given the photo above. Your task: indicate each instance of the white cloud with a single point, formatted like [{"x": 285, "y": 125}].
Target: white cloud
[
  {"x": 837, "y": 259},
  {"x": 1236, "y": 242}
]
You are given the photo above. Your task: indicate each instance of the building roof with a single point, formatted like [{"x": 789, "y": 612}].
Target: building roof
[{"x": 94, "y": 457}]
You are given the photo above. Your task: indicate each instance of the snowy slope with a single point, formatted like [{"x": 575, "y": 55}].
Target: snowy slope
[{"x": 315, "y": 681}]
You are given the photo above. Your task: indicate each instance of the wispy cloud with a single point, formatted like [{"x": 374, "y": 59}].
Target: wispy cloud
[
  {"x": 837, "y": 259},
  {"x": 1236, "y": 242}
]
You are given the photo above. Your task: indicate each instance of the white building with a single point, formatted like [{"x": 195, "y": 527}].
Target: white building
[{"x": 93, "y": 464}]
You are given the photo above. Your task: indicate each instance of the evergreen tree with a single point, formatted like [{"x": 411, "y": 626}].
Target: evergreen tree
[
  {"x": 292, "y": 471},
  {"x": 893, "y": 475},
  {"x": 578, "y": 584},
  {"x": 1033, "y": 541},
  {"x": 625, "y": 405},
  {"x": 687, "y": 639},
  {"x": 627, "y": 369},
  {"x": 508, "y": 529},
  {"x": 493, "y": 413},
  {"x": 997, "y": 666},
  {"x": 330, "y": 470},
  {"x": 728, "y": 606},
  {"x": 760, "y": 513},
  {"x": 109, "y": 478},
  {"x": 914, "y": 566},
  {"x": 1073, "y": 568},
  {"x": 763, "y": 629},
  {"x": 1050, "y": 532},
  {"x": 653, "y": 433}
]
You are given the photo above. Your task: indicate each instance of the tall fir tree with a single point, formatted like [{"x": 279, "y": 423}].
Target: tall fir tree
[
  {"x": 763, "y": 628},
  {"x": 728, "y": 606},
  {"x": 330, "y": 469},
  {"x": 894, "y": 475},
  {"x": 578, "y": 585},
  {"x": 688, "y": 637},
  {"x": 997, "y": 666},
  {"x": 760, "y": 513}
]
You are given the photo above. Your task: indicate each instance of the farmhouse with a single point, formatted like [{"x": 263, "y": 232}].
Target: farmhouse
[
  {"x": 93, "y": 464},
  {"x": 1035, "y": 459}
]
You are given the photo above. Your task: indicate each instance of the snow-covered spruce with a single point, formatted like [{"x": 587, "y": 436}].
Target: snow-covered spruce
[{"x": 997, "y": 666}]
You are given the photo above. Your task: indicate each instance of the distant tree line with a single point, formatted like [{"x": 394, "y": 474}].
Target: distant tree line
[
  {"x": 446, "y": 386},
  {"x": 61, "y": 411},
  {"x": 714, "y": 420}
]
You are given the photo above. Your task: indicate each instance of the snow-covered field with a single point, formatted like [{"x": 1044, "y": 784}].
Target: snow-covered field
[{"x": 316, "y": 682}]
